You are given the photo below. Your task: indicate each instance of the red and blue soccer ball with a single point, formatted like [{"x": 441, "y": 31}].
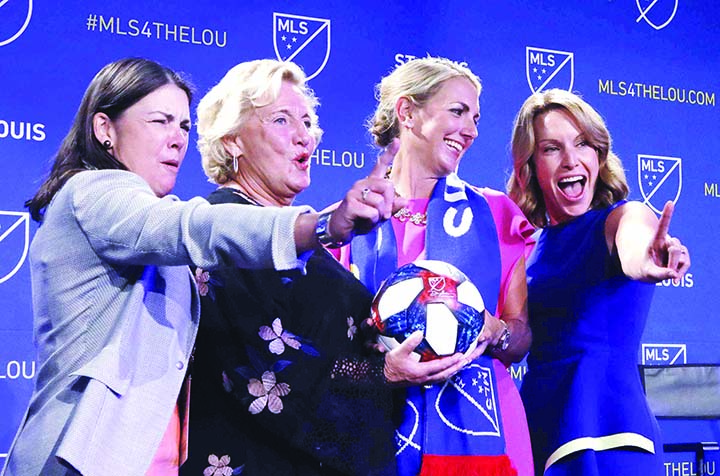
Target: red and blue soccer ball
[{"x": 434, "y": 297}]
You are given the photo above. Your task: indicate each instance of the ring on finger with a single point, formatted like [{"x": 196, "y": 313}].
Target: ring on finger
[{"x": 365, "y": 192}]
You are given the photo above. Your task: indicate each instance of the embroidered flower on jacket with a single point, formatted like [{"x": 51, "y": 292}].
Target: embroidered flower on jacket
[
  {"x": 352, "y": 328},
  {"x": 278, "y": 337},
  {"x": 268, "y": 393},
  {"x": 201, "y": 278},
  {"x": 227, "y": 383},
  {"x": 218, "y": 466}
]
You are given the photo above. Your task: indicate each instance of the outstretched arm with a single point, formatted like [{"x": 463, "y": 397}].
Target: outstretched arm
[{"x": 646, "y": 251}]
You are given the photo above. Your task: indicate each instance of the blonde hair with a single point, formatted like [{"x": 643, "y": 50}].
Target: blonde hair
[
  {"x": 225, "y": 108},
  {"x": 523, "y": 186},
  {"x": 418, "y": 80}
]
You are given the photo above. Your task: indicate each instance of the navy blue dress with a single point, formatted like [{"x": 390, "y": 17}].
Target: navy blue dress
[{"x": 585, "y": 404}]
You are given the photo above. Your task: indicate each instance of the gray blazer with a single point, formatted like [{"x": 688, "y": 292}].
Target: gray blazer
[{"x": 116, "y": 313}]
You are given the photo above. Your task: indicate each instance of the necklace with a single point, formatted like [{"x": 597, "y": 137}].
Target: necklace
[
  {"x": 419, "y": 219},
  {"x": 244, "y": 195}
]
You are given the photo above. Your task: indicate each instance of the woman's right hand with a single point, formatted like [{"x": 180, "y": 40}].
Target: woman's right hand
[
  {"x": 402, "y": 367},
  {"x": 369, "y": 201}
]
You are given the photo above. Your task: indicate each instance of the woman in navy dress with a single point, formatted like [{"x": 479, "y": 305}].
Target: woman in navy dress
[{"x": 591, "y": 277}]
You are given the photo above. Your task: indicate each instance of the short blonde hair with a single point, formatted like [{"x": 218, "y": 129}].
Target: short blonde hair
[
  {"x": 418, "y": 80},
  {"x": 523, "y": 186},
  {"x": 222, "y": 112}
]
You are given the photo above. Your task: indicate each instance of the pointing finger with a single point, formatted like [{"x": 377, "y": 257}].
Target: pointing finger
[
  {"x": 664, "y": 223},
  {"x": 385, "y": 159}
]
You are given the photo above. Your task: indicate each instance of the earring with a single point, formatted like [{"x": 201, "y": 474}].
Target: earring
[
  {"x": 235, "y": 164},
  {"x": 107, "y": 144}
]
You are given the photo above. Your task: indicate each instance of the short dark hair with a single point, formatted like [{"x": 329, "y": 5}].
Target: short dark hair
[{"x": 115, "y": 88}]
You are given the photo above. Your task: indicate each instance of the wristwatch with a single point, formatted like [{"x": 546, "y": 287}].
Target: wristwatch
[
  {"x": 322, "y": 232},
  {"x": 504, "y": 341}
]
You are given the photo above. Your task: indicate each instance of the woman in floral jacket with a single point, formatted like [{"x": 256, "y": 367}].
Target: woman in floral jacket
[{"x": 282, "y": 382}]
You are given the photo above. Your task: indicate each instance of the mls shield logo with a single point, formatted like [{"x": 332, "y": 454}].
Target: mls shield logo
[
  {"x": 302, "y": 40},
  {"x": 14, "y": 19},
  {"x": 437, "y": 284},
  {"x": 660, "y": 180},
  {"x": 14, "y": 241},
  {"x": 656, "y": 13},
  {"x": 548, "y": 69},
  {"x": 472, "y": 388}
]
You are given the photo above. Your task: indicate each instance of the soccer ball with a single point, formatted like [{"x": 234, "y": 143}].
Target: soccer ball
[{"x": 434, "y": 297}]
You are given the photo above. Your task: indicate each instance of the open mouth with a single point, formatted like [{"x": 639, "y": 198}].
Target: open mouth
[
  {"x": 303, "y": 160},
  {"x": 572, "y": 187}
]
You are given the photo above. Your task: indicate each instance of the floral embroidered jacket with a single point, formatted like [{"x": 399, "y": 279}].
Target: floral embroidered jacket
[{"x": 281, "y": 383}]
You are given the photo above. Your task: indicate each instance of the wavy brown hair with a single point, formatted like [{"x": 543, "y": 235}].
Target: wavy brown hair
[{"x": 523, "y": 186}]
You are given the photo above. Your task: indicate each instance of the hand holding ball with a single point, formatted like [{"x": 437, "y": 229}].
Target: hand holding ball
[{"x": 434, "y": 297}]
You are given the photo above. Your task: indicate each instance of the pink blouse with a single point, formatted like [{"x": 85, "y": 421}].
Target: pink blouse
[{"x": 514, "y": 234}]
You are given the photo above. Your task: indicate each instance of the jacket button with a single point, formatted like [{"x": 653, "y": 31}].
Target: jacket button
[{"x": 179, "y": 365}]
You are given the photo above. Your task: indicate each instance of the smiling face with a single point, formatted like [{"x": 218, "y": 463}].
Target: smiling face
[
  {"x": 274, "y": 147},
  {"x": 566, "y": 165},
  {"x": 150, "y": 137},
  {"x": 444, "y": 128}
]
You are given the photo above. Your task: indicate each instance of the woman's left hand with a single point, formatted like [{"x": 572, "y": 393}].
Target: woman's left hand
[
  {"x": 490, "y": 335},
  {"x": 668, "y": 257},
  {"x": 369, "y": 201},
  {"x": 646, "y": 251}
]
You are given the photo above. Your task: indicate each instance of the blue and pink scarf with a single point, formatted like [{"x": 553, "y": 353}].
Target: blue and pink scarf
[{"x": 453, "y": 428}]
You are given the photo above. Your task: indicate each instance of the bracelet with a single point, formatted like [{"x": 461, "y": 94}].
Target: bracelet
[
  {"x": 322, "y": 232},
  {"x": 504, "y": 341}
]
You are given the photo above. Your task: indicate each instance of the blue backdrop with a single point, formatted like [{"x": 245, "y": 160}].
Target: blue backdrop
[{"x": 651, "y": 67}]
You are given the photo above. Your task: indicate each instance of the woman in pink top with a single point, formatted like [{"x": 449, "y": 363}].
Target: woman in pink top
[{"x": 474, "y": 423}]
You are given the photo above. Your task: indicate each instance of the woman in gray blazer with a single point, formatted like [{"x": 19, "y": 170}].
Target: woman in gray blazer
[{"x": 115, "y": 306}]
